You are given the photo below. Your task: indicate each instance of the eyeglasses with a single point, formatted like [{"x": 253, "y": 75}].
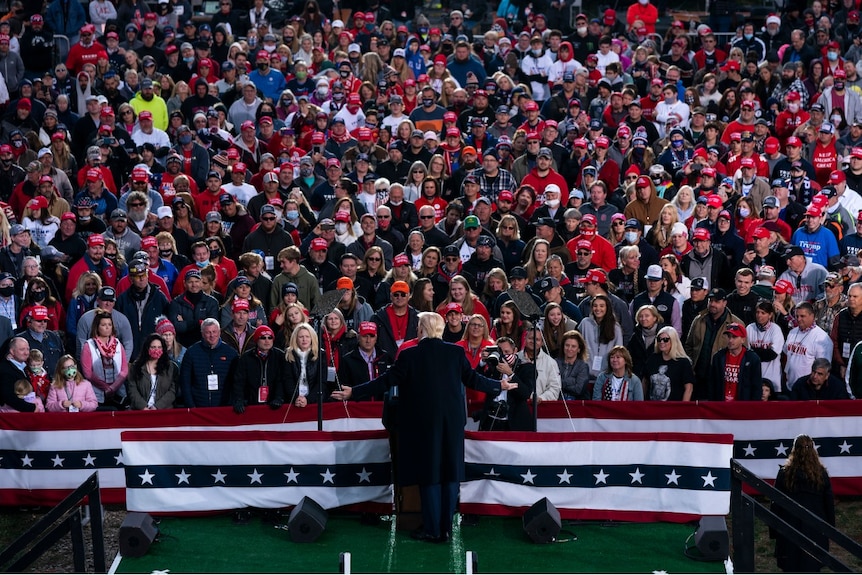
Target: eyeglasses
[
  {"x": 479, "y": 325},
  {"x": 374, "y": 259},
  {"x": 266, "y": 337},
  {"x": 399, "y": 294},
  {"x": 663, "y": 339}
]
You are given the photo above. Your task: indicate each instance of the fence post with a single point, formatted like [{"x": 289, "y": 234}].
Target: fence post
[
  {"x": 76, "y": 530},
  {"x": 742, "y": 523}
]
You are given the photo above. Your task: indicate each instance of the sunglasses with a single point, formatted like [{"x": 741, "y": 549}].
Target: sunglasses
[
  {"x": 663, "y": 339},
  {"x": 399, "y": 294},
  {"x": 375, "y": 259},
  {"x": 617, "y": 224},
  {"x": 266, "y": 337},
  {"x": 584, "y": 253},
  {"x": 426, "y": 217},
  {"x": 270, "y": 219}
]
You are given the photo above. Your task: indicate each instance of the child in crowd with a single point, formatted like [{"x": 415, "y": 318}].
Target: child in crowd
[
  {"x": 39, "y": 378},
  {"x": 24, "y": 391}
]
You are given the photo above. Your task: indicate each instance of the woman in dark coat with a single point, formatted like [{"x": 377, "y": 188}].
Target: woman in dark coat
[
  {"x": 430, "y": 420},
  {"x": 301, "y": 383},
  {"x": 807, "y": 482},
  {"x": 154, "y": 360},
  {"x": 641, "y": 345},
  {"x": 509, "y": 412}
]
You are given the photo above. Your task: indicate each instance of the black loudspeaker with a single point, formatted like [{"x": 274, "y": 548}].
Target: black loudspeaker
[
  {"x": 542, "y": 522},
  {"x": 307, "y": 521},
  {"x": 711, "y": 538},
  {"x": 137, "y": 533}
]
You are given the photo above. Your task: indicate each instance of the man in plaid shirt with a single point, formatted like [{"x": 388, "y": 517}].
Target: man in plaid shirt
[{"x": 492, "y": 178}]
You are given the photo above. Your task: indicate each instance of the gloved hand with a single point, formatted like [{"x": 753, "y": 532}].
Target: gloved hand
[
  {"x": 239, "y": 407},
  {"x": 276, "y": 403}
]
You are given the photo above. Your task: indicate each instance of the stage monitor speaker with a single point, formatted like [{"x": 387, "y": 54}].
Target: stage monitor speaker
[
  {"x": 307, "y": 521},
  {"x": 137, "y": 533},
  {"x": 711, "y": 538},
  {"x": 542, "y": 522}
]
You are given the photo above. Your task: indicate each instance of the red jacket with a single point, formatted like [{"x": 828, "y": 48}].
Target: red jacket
[
  {"x": 604, "y": 254},
  {"x": 825, "y": 160},
  {"x": 80, "y": 55},
  {"x": 539, "y": 183},
  {"x": 786, "y": 123}
]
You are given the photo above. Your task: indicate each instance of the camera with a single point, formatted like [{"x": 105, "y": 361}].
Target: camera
[{"x": 494, "y": 356}]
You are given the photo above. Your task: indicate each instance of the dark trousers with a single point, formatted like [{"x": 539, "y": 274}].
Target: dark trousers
[{"x": 438, "y": 507}]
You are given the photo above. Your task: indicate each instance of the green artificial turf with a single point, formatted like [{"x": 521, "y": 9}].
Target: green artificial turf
[{"x": 216, "y": 545}]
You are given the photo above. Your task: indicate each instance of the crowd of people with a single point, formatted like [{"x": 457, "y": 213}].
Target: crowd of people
[{"x": 178, "y": 194}]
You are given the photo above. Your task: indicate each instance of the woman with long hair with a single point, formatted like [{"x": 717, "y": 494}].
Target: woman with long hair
[
  {"x": 413, "y": 188},
  {"x": 536, "y": 261},
  {"x": 805, "y": 480},
  {"x": 240, "y": 288},
  {"x": 286, "y": 317},
  {"x": 574, "y": 371},
  {"x": 83, "y": 300},
  {"x": 509, "y": 241},
  {"x": 152, "y": 382},
  {"x": 510, "y": 324},
  {"x": 785, "y": 307},
  {"x": 555, "y": 325},
  {"x": 69, "y": 391},
  {"x": 668, "y": 374},
  {"x": 496, "y": 283},
  {"x": 438, "y": 169},
  {"x": 746, "y": 218},
  {"x": 678, "y": 285},
  {"x": 459, "y": 292},
  {"x": 373, "y": 268},
  {"x": 338, "y": 339},
  {"x": 38, "y": 293},
  {"x": 38, "y": 220},
  {"x": 617, "y": 231},
  {"x": 422, "y": 295},
  {"x": 175, "y": 351},
  {"x": 617, "y": 382},
  {"x": 728, "y": 106},
  {"x": 683, "y": 201},
  {"x": 104, "y": 361},
  {"x": 474, "y": 341},
  {"x": 178, "y": 96},
  {"x": 301, "y": 384},
  {"x": 184, "y": 218},
  {"x": 659, "y": 235},
  {"x": 601, "y": 332}
]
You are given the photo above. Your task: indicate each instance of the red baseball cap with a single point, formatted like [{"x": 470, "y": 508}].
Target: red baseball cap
[
  {"x": 149, "y": 242},
  {"x": 784, "y": 287},
  {"x": 96, "y": 240},
  {"x": 836, "y": 177},
  {"x": 714, "y": 201},
  {"x": 595, "y": 276},
  {"x": 700, "y": 234},
  {"x": 761, "y": 232},
  {"x": 771, "y": 145},
  {"x": 318, "y": 245},
  {"x": 39, "y": 313},
  {"x": 643, "y": 182},
  {"x": 453, "y": 306}
]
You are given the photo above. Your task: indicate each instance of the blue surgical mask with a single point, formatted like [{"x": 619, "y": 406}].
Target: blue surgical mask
[
  {"x": 189, "y": 59},
  {"x": 631, "y": 237},
  {"x": 833, "y": 56},
  {"x": 202, "y": 264},
  {"x": 292, "y": 214},
  {"x": 677, "y": 143},
  {"x": 748, "y": 36},
  {"x": 185, "y": 140}
]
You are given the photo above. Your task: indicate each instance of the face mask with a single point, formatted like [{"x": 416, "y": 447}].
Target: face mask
[
  {"x": 84, "y": 219},
  {"x": 269, "y": 49},
  {"x": 836, "y": 120},
  {"x": 262, "y": 66},
  {"x": 423, "y": 30},
  {"x": 305, "y": 172},
  {"x": 677, "y": 143},
  {"x": 588, "y": 234},
  {"x": 670, "y": 101},
  {"x": 510, "y": 358},
  {"x": 338, "y": 96},
  {"x": 70, "y": 372},
  {"x": 689, "y": 100},
  {"x": 369, "y": 27},
  {"x": 582, "y": 30},
  {"x": 344, "y": 73},
  {"x": 796, "y": 179},
  {"x": 744, "y": 212},
  {"x": 185, "y": 140},
  {"x": 292, "y": 214},
  {"x": 832, "y": 56},
  {"x": 427, "y": 102},
  {"x": 17, "y": 143},
  {"x": 322, "y": 92},
  {"x": 793, "y": 108},
  {"x": 643, "y": 2},
  {"x": 340, "y": 227},
  {"x": 7, "y": 291},
  {"x": 354, "y": 59},
  {"x": 38, "y": 295},
  {"x": 656, "y": 181},
  {"x": 156, "y": 353},
  {"x": 537, "y": 52},
  {"x": 394, "y": 203},
  {"x": 215, "y": 254},
  {"x": 166, "y": 254},
  {"x": 202, "y": 264},
  {"x": 631, "y": 237},
  {"x": 189, "y": 59},
  {"x": 748, "y": 36},
  {"x": 6, "y": 163},
  {"x": 839, "y": 86},
  {"x": 553, "y": 204},
  {"x": 37, "y": 369}
]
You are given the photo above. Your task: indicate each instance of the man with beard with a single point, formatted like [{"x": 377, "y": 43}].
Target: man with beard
[
  {"x": 37, "y": 46},
  {"x": 196, "y": 160},
  {"x": 269, "y": 237},
  {"x": 395, "y": 169},
  {"x": 147, "y": 100},
  {"x": 479, "y": 109},
  {"x": 93, "y": 261}
]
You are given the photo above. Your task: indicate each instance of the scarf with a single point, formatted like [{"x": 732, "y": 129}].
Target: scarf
[
  {"x": 649, "y": 335},
  {"x": 608, "y": 389},
  {"x": 107, "y": 350},
  {"x": 332, "y": 351}
]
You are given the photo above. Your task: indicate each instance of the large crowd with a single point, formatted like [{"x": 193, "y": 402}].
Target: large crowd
[{"x": 177, "y": 194}]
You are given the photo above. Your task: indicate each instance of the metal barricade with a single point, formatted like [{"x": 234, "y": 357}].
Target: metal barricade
[{"x": 61, "y": 48}]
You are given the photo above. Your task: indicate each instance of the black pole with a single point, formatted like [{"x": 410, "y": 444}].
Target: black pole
[
  {"x": 321, "y": 371},
  {"x": 535, "y": 379}
]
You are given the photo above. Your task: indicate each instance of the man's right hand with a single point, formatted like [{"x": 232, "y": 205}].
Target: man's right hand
[{"x": 346, "y": 392}]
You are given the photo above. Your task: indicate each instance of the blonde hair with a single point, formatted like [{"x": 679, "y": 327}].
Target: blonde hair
[
  {"x": 431, "y": 325},
  {"x": 315, "y": 346}
]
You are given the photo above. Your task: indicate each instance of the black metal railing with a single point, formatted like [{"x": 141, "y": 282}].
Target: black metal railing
[
  {"x": 65, "y": 518},
  {"x": 744, "y": 508}
]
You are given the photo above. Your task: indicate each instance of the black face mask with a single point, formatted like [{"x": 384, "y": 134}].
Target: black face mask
[
  {"x": 215, "y": 253},
  {"x": 7, "y": 291},
  {"x": 39, "y": 295},
  {"x": 166, "y": 254},
  {"x": 262, "y": 66}
]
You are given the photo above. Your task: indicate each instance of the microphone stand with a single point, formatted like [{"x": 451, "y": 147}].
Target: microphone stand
[
  {"x": 325, "y": 305},
  {"x": 531, "y": 312}
]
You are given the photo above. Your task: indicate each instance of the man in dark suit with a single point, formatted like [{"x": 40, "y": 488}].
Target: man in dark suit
[
  {"x": 11, "y": 370},
  {"x": 430, "y": 420},
  {"x": 367, "y": 361}
]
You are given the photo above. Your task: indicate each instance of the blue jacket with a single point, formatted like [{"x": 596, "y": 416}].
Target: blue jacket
[
  {"x": 188, "y": 328},
  {"x": 201, "y": 361},
  {"x": 459, "y": 70},
  {"x": 66, "y": 20}
]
